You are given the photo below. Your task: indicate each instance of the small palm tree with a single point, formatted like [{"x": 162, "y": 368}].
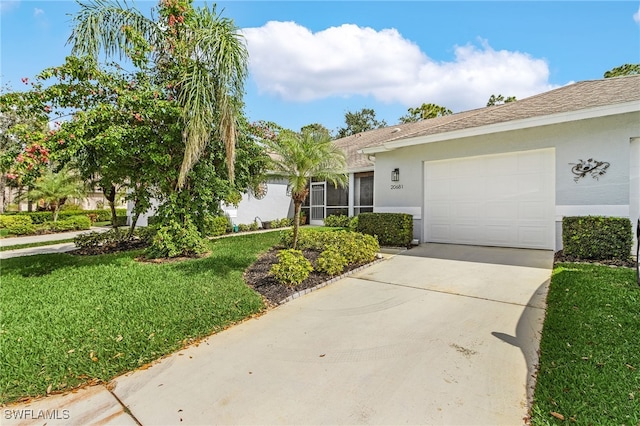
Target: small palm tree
[
  {"x": 55, "y": 188},
  {"x": 300, "y": 157}
]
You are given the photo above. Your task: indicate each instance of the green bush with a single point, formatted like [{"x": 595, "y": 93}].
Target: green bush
[
  {"x": 113, "y": 237},
  {"x": 101, "y": 215},
  {"x": 17, "y": 224},
  {"x": 292, "y": 267},
  {"x": 331, "y": 261},
  {"x": 356, "y": 248},
  {"x": 353, "y": 224},
  {"x": 73, "y": 223},
  {"x": 216, "y": 225},
  {"x": 337, "y": 220},
  {"x": 176, "y": 239},
  {"x": 597, "y": 237},
  {"x": 391, "y": 229},
  {"x": 242, "y": 227}
]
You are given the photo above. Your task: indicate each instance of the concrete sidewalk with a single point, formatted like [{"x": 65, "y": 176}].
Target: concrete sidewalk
[
  {"x": 53, "y": 248},
  {"x": 412, "y": 339}
]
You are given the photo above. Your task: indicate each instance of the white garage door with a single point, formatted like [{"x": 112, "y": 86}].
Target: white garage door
[{"x": 503, "y": 200}]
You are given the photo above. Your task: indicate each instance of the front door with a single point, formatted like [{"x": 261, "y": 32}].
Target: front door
[{"x": 317, "y": 203}]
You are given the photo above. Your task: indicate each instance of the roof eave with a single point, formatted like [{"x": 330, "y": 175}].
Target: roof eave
[{"x": 526, "y": 123}]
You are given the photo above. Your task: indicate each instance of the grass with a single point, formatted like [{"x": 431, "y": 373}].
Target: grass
[
  {"x": 590, "y": 349},
  {"x": 38, "y": 244},
  {"x": 67, "y": 320}
]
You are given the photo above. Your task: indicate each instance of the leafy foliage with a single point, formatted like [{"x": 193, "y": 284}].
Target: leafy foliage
[
  {"x": 597, "y": 237},
  {"x": 357, "y": 248},
  {"x": 199, "y": 57},
  {"x": 216, "y": 225},
  {"x": 358, "y": 122},
  {"x": 424, "y": 112},
  {"x": 331, "y": 261},
  {"x": 391, "y": 229},
  {"x": 292, "y": 267},
  {"x": 499, "y": 100},
  {"x": 339, "y": 221},
  {"x": 626, "y": 69},
  {"x": 300, "y": 157},
  {"x": 54, "y": 189},
  {"x": 17, "y": 225},
  {"x": 175, "y": 239}
]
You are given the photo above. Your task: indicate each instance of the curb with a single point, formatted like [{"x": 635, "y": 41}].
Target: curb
[{"x": 326, "y": 283}]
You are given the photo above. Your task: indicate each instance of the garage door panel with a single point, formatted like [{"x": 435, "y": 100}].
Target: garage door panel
[{"x": 503, "y": 199}]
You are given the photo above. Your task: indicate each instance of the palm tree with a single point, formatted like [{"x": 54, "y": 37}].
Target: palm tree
[
  {"x": 199, "y": 56},
  {"x": 55, "y": 188},
  {"x": 299, "y": 157}
]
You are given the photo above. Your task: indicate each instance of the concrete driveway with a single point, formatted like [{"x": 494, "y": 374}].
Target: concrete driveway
[{"x": 438, "y": 335}]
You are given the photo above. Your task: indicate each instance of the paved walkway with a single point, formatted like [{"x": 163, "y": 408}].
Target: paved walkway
[
  {"x": 53, "y": 248},
  {"x": 414, "y": 339}
]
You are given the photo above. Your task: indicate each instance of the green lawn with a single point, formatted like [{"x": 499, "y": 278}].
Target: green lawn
[
  {"x": 70, "y": 319},
  {"x": 590, "y": 349}
]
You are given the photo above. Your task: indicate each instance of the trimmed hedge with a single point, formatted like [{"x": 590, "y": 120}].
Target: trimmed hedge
[
  {"x": 18, "y": 225},
  {"x": 357, "y": 248},
  {"x": 337, "y": 220},
  {"x": 597, "y": 237},
  {"x": 101, "y": 215},
  {"x": 391, "y": 229}
]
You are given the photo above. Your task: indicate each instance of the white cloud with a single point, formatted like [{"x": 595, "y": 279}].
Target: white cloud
[
  {"x": 289, "y": 61},
  {"x": 7, "y": 5},
  {"x": 636, "y": 16},
  {"x": 38, "y": 11}
]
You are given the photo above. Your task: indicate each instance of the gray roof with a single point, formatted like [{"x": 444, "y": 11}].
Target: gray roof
[{"x": 574, "y": 97}]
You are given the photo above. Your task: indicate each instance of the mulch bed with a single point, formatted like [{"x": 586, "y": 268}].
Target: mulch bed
[
  {"x": 561, "y": 257},
  {"x": 257, "y": 276},
  {"x": 110, "y": 248}
]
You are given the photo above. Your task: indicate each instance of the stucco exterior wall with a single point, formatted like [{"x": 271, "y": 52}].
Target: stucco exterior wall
[
  {"x": 275, "y": 205},
  {"x": 603, "y": 139}
]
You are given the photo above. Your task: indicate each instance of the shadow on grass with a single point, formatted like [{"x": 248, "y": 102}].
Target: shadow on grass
[{"x": 45, "y": 264}]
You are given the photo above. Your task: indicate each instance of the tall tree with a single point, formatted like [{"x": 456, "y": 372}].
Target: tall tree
[
  {"x": 317, "y": 128},
  {"x": 300, "y": 156},
  {"x": 424, "y": 112},
  {"x": 197, "y": 55},
  {"x": 358, "y": 122},
  {"x": 626, "y": 69},
  {"x": 499, "y": 100}
]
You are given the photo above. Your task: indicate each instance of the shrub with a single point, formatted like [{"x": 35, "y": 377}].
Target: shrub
[
  {"x": 597, "y": 237},
  {"x": 243, "y": 227},
  {"x": 100, "y": 215},
  {"x": 73, "y": 223},
  {"x": 292, "y": 267},
  {"x": 356, "y": 248},
  {"x": 353, "y": 224},
  {"x": 176, "y": 239},
  {"x": 113, "y": 237},
  {"x": 17, "y": 224},
  {"x": 338, "y": 221},
  {"x": 391, "y": 229},
  {"x": 253, "y": 226},
  {"x": 216, "y": 225},
  {"x": 331, "y": 261}
]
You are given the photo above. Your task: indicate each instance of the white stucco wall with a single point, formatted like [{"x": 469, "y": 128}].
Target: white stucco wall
[
  {"x": 603, "y": 139},
  {"x": 275, "y": 205}
]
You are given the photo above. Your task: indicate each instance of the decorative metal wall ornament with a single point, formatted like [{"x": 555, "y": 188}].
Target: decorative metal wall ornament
[
  {"x": 591, "y": 167},
  {"x": 260, "y": 191}
]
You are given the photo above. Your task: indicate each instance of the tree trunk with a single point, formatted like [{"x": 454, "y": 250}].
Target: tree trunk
[
  {"x": 3, "y": 185},
  {"x": 134, "y": 220},
  {"x": 296, "y": 221},
  {"x": 110, "y": 195}
]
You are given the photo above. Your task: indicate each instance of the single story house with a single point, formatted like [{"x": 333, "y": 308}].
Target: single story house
[
  {"x": 506, "y": 175},
  {"x": 503, "y": 175}
]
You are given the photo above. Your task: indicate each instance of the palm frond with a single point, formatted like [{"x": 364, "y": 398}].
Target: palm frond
[{"x": 99, "y": 26}]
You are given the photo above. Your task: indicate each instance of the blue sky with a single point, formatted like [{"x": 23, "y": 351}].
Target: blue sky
[{"x": 314, "y": 61}]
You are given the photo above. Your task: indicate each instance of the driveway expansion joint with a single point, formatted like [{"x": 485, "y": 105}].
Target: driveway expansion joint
[{"x": 450, "y": 293}]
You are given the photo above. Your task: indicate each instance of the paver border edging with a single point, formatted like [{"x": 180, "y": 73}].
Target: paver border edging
[{"x": 326, "y": 283}]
